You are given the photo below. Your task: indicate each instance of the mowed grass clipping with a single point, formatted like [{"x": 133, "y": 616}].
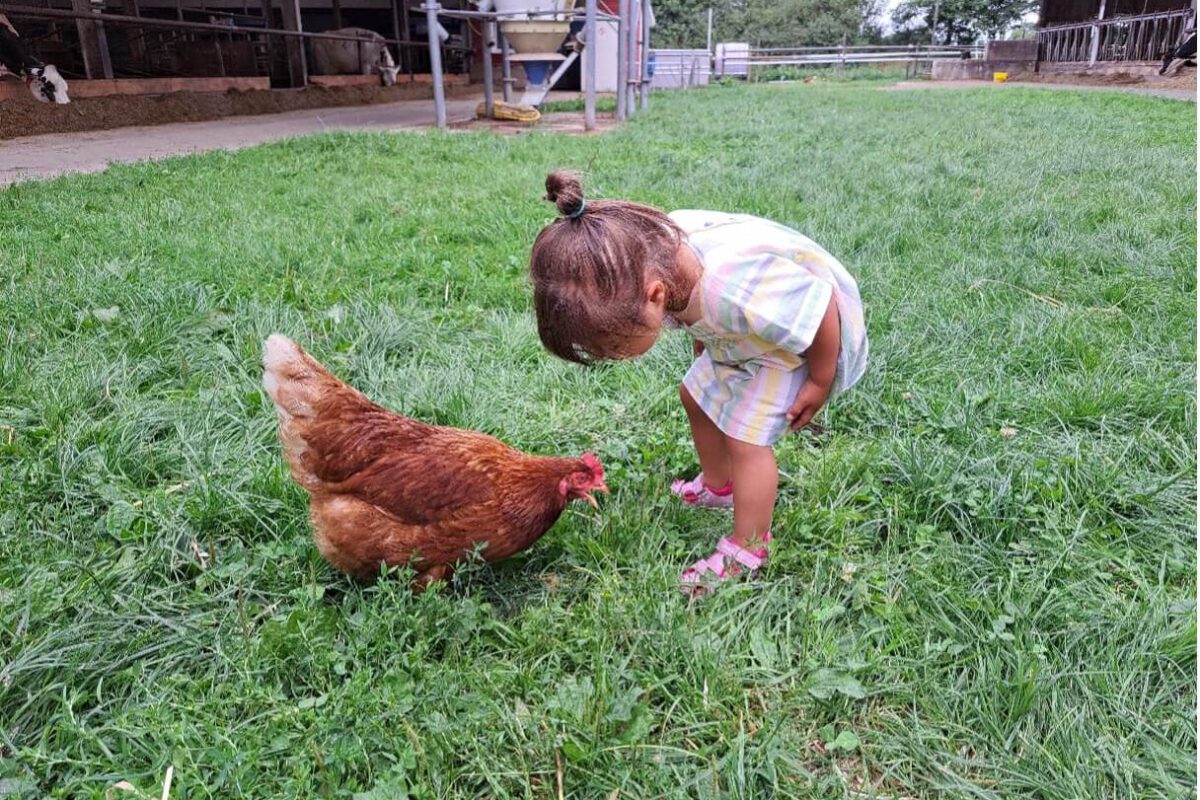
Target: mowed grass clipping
[{"x": 984, "y": 578}]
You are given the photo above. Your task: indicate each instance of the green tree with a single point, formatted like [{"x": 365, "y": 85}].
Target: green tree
[
  {"x": 681, "y": 23},
  {"x": 959, "y": 21},
  {"x": 767, "y": 23},
  {"x": 790, "y": 23}
]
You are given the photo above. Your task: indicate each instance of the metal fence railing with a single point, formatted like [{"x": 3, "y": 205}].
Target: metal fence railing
[
  {"x": 220, "y": 45},
  {"x": 748, "y": 61},
  {"x": 679, "y": 69},
  {"x": 1144, "y": 37}
]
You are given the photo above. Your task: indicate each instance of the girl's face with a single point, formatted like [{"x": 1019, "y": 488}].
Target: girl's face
[
  {"x": 635, "y": 345},
  {"x": 638, "y": 342}
]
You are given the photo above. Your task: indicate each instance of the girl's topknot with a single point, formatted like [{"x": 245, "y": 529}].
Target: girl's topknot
[{"x": 564, "y": 189}]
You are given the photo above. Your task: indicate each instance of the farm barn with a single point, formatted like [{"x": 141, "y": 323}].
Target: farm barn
[
  {"x": 211, "y": 45},
  {"x": 1099, "y": 33},
  {"x": 207, "y": 55}
]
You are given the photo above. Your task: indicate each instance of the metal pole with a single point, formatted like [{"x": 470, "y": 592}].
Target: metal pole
[
  {"x": 406, "y": 54},
  {"x": 632, "y": 75},
  {"x": 645, "y": 68},
  {"x": 489, "y": 100},
  {"x": 505, "y": 66},
  {"x": 1095, "y": 48},
  {"x": 435, "y": 61},
  {"x": 589, "y": 67},
  {"x": 622, "y": 57},
  {"x": 396, "y": 32},
  {"x": 297, "y": 61},
  {"x": 708, "y": 38}
]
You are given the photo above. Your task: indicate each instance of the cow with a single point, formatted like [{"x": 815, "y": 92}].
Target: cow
[
  {"x": 1185, "y": 51},
  {"x": 387, "y": 68},
  {"x": 43, "y": 80},
  {"x": 338, "y": 57}
]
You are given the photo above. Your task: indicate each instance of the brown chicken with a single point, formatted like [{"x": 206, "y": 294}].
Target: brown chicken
[{"x": 388, "y": 489}]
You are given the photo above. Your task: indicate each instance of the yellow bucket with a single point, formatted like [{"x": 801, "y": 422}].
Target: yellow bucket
[{"x": 999, "y": 77}]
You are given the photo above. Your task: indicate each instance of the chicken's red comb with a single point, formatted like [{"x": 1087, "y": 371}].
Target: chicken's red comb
[{"x": 591, "y": 462}]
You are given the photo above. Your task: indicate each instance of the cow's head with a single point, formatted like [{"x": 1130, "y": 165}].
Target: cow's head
[
  {"x": 387, "y": 68},
  {"x": 46, "y": 85}
]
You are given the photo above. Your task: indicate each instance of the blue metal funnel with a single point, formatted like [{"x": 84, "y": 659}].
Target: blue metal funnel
[{"x": 536, "y": 72}]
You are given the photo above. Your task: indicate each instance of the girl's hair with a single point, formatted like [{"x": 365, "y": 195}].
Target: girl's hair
[{"x": 590, "y": 268}]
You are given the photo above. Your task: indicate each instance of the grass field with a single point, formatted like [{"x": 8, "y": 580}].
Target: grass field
[{"x": 985, "y": 573}]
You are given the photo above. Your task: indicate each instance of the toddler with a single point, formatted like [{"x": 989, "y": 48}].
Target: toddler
[{"x": 777, "y": 325}]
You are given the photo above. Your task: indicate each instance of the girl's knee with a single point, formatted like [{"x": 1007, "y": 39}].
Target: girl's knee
[{"x": 749, "y": 452}]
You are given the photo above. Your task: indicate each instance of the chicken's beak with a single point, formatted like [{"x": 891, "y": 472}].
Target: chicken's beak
[{"x": 588, "y": 495}]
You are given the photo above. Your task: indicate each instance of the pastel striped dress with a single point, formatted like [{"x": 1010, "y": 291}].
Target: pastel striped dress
[{"x": 764, "y": 292}]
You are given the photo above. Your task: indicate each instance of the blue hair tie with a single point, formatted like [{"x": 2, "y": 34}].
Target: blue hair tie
[{"x": 577, "y": 213}]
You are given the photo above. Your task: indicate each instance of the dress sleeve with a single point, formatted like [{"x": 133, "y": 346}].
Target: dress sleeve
[{"x": 781, "y": 302}]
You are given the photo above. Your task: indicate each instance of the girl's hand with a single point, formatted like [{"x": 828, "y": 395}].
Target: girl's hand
[{"x": 809, "y": 400}]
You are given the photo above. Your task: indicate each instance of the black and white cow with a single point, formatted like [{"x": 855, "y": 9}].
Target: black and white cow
[
  {"x": 1185, "y": 51},
  {"x": 43, "y": 80}
]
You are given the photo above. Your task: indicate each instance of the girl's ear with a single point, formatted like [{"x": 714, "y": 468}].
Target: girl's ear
[{"x": 656, "y": 293}]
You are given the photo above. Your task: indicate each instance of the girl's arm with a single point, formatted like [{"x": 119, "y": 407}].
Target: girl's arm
[{"x": 821, "y": 357}]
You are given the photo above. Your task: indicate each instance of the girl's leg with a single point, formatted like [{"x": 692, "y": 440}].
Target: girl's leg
[
  {"x": 755, "y": 483},
  {"x": 710, "y": 443}
]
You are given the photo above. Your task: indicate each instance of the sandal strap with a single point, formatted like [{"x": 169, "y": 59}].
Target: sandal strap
[
  {"x": 740, "y": 554},
  {"x": 696, "y": 486},
  {"x": 690, "y": 488},
  {"x": 714, "y": 564}
]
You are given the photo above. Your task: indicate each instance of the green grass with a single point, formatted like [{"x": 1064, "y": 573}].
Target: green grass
[
  {"x": 963, "y": 614},
  {"x": 605, "y": 104},
  {"x": 849, "y": 73}
]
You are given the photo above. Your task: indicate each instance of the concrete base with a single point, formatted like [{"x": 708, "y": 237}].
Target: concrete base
[
  {"x": 979, "y": 70},
  {"x": 1139, "y": 69},
  {"x": 982, "y": 69},
  {"x": 345, "y": 80},
  {"x": 1011, "y": 50},
  {"x": 13, "y": 88},
  {"x": 373, "y": 80},
  {"x": 21, "y": 116}
]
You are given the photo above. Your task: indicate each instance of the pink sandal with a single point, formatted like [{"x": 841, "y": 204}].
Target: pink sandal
[
  {"x": 704, "y": 576},
  {"x": 699, "y": 494}
]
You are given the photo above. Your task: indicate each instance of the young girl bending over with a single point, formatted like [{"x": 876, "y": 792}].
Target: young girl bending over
[{"x": 777, "y": 324}]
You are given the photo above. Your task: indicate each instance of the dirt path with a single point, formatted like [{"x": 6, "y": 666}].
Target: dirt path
[
  {"x": 1153, "y": 91},
  {"x": 54, "y": 154}
]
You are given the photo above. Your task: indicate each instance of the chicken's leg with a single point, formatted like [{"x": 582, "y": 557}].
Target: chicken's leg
[{"x": 441, "y": 572}]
